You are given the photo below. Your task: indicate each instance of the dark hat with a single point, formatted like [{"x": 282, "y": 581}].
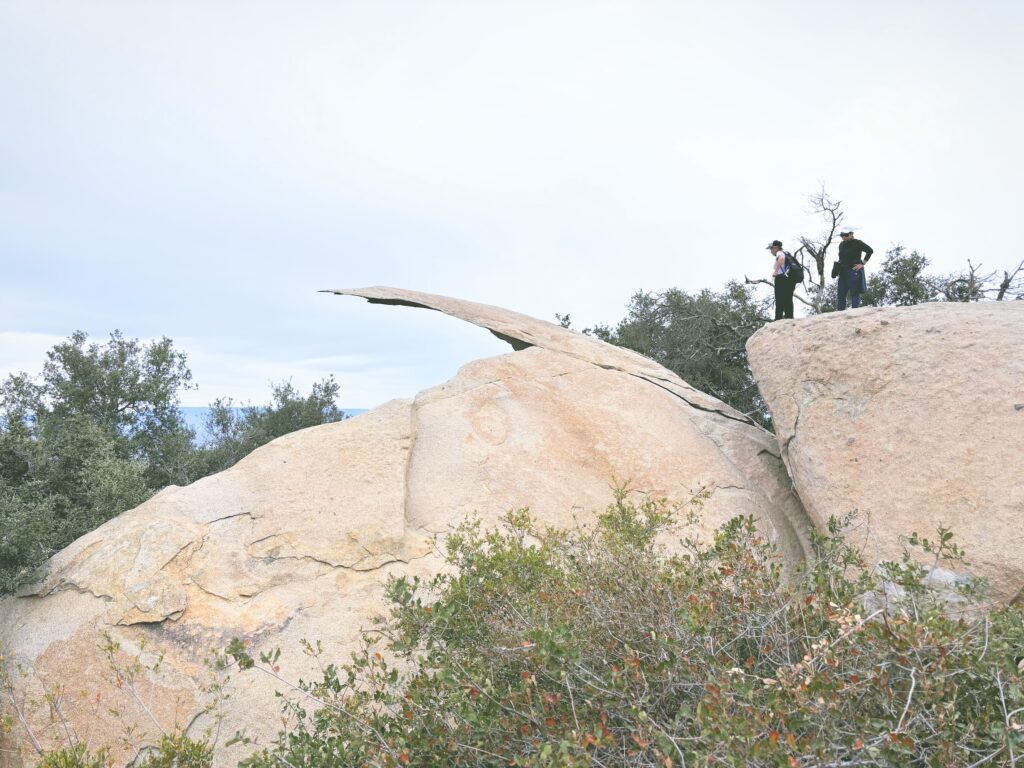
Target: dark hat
[{"x": 774, "y": 244}]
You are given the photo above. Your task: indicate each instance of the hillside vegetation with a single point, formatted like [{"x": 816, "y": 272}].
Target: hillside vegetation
[{"x": 98, "y": 431}]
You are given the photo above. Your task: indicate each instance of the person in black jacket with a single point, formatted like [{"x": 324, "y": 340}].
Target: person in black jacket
[{"x": 851, "y": 269}]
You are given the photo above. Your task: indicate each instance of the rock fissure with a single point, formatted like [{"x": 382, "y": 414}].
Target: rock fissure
[
  {"x": 696, "y": 406},
  {"x": 190, "y": 546},
  {"x": 199, "y": 585},
  {"x": 232, "y": 516},
  {"x": 353, "y": 566},
  {"x": 70, "y": 586}
]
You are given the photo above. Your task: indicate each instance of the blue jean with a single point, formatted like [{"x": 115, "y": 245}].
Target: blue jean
[{"x": 854, "y": 282}]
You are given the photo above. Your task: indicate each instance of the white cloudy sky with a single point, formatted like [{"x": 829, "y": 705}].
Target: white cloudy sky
[{"x": 198, "y": 169}]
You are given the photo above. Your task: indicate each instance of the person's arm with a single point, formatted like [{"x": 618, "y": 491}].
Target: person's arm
[
  {"x": 867, "y": 251},
  {"x": 778, "y": 264}
]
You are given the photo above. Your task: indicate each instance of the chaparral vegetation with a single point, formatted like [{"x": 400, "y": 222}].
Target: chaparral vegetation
[{"x": 605, "y": 646}]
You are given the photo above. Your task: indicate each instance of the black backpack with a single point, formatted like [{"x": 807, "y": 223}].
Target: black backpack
[{"x": 794, "y": 268}]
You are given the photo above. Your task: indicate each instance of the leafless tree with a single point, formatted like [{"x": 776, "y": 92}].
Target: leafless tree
[
  {"x": 968, "y": 286},
  {"x": 814, "y": 250},
  {"x": 976, "y": 285},
  {"x": 1012, "y": 283},
  {"x": 764, "y": 281}
]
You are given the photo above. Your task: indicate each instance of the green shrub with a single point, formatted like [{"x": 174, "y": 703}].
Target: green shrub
[
  {"x": 179, "y": 751},
  {"x": 99, "y": 431},
  {"x": 73, "y": 757},
  {"x": 596, "y": 647}
]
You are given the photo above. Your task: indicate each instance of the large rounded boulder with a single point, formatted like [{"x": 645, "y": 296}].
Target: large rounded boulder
[
  {"x": 912, "y": 417},
  {"x": 297, "y": 540}
]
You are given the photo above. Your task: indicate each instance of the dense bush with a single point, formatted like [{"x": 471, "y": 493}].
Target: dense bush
[
  {"x": 597, "y": 647},
  {"x": 701, "y": 337},
  {"x": 173, "y": 751},
  {"x": 73, "y": 757},
  {"x": 237, "y": 432}
]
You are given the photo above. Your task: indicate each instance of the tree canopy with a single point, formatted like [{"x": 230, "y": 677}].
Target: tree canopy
[
  {"x": 98, "y": 431},
  {"x": 700, "y": 336}
]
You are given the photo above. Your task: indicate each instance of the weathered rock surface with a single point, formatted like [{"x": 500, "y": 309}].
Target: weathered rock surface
[
  {"x": 914, "y": 417},
  {"x": 297, "y": 540}
]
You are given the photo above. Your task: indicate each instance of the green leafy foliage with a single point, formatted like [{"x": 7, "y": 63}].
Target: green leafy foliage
[
  {"x": 900, "y": 280},
  {"x": 903, "y": 279},
  {"x": 237, "y": 434},
  {"x": 73, "y": 757},
  {"x": 700, "y": 336},
  {"x": 172, "y": 751},
  {"x": 98, "y": 431},
  {"x": 179, "y": 751},
  {"x": 543, "y": 647}
]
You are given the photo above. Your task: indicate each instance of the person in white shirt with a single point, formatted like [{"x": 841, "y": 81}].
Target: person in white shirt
[{"x": 784, "y": 286}]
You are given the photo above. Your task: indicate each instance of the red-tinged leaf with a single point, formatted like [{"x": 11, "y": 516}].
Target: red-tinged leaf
[
  {"x": 858, "y": 744},
  {"x": 792, "y": 761},
  {"x": 773, "y": 737},
  {"x": 791, "y": 739},
  {"x": 640, "y": 741},
  {"x": 750, "y": 662},
  {"x": 550, "y": 722},
  {"x": 525, "y": 675},
  {"x": 378, "y": 657},
  {"x": 809, "y": 599},
  {"x": 404, "y": 756},
  {"x": 854, "y": 679}
]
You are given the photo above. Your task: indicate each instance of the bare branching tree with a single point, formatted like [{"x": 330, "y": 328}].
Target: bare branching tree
[
  {"x": 763, "y": 281},
  {"x": 968, "y": 285},
  {"x": 814, "y": 250},
  {"x": 1012, "y": 284}
]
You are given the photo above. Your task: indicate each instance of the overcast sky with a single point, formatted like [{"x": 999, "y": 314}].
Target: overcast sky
[{"x": 200, "y": 169}]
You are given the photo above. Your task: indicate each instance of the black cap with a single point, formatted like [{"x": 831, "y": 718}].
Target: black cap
[{"x": 774, "y": 244}]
